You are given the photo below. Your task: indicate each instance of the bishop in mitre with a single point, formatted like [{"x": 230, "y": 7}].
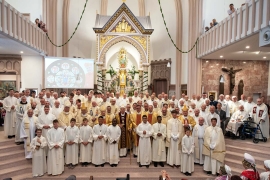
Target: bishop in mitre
[
  {"x": 21, "y": 108},
  {"x": 144, "y": 130},
  {"x": 55, "y": 140},
  {"x": 173, "y": 140},
  {"x": 260, "y": 115},
  {"x": 38, "y": 144},
  {"x": 187, "y": 120},
  {"x": 198, "y": 135},
  {"x": 27, "y": 133},
  {"x": 213, "y": 148},
  {"x": 113, "y": 135},
  {"x": 72, "y": 139},
  {"x": 99, "y": 157},
  {"x": 237, "y": 120},
  {"x": 86, "y": 139},
  {"x": 158, "y": 143},
  {"x": 65, "y": 116}
]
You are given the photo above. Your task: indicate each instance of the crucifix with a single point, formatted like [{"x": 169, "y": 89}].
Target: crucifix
[{"x": 231, "y": 73}]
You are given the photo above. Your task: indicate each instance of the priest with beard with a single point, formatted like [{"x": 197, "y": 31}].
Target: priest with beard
[
  {"x": 20, "y": 110},
  {"x": 145, "y": 131},
  {"x": 123, "y": 122},
  {"x": 65, "y": 116},
  {"x": 56, "y": 140},
  {"x": 83, "y": 115},
  {"x": 214, "y": 148}
]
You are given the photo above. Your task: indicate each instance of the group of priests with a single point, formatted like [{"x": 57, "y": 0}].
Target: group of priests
[{"x": 104, "y": 127}]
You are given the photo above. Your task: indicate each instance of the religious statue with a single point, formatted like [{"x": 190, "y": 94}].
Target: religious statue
[
  {"x": 123, "y": 26},
  {"x": 231, "y": 73},
  {"x": 122, "y": 58}
]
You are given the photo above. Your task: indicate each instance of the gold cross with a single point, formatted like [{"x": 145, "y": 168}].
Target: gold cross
[{"x": 124, "y": 1}]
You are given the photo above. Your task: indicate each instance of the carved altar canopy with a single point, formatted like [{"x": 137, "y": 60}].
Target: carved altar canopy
[{"x": 123, "y": 25}]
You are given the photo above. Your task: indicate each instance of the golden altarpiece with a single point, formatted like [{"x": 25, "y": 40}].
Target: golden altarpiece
[{"x": 122, "y": 26}]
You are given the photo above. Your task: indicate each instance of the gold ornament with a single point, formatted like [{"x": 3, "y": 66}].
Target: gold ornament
[
  {"x": 142, "y": 40},
  {"x": 104, "y": 40},
  {"x": 123, "y": 26}
]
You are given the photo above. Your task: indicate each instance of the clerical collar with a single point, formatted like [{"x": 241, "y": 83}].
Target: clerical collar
[
  {"x": 23, "y": 102},
  {"x": 122, "y": 114}
]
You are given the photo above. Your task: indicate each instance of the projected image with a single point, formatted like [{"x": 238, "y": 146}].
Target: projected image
[{"x": 69, "y": 73}]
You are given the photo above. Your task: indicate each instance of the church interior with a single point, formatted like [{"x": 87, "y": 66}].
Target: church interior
[{"x": 175, "y": 53}]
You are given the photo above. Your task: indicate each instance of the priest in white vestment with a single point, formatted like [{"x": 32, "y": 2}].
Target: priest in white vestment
[
  {"x": 86, "y": 139},
  {"x": 100, "y": 145},
  {"x": 21, "y": 108},
  {"x": 260, "y": 115},
  {"x": 158, "y": 143},
  {"x": 72, "y": 139},
  {"x": 187, "y": 157},
  {"x": 173, "y": 140},
  {"x": 203, "y": 112},
  {"x": 198, "y": 134},
  {"x": 211, "y": 115},
  {"x": 55, "y": 140},
  {"x": 38, "y": 144},
  {"x": 265, "y": 175},
  {"x": 237, "y": 120},
  {"x": 248, "y": 106},
  {"x": 243, "y": 100},
  {"x": 144, "y": 131},
  {"x": 113, "y": 135},
  {"x": 57, "y": 109},
  {"x": 27, "y": 132},
  {"x": 213, "y": 148}
]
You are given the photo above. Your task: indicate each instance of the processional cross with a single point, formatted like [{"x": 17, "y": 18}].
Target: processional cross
[{"x": 231, "y": 73}]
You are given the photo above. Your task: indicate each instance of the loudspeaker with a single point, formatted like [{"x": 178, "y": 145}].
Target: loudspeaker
[{"x": 264, "y": 37}]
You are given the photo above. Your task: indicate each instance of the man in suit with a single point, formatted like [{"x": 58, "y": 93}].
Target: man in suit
[
  {"x": 222, "y": 115},
  {"x": 212, "y": 101}
]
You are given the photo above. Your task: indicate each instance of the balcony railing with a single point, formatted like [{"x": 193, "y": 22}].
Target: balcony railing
[
  {"x": 246, "y": 21},
  {"x": 16, "y": 26}
]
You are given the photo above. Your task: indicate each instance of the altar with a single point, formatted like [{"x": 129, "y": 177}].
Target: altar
[{"x": 123, "y": 51}]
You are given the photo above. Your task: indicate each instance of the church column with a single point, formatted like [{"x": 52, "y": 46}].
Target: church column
[
  {"x": 65, "y": 26},
  {"x": 194, "y": 64},
  {"x": 141, "y": 7},
  {"x": 103, "y": 7},
  {"x": 178, "y": 83}
]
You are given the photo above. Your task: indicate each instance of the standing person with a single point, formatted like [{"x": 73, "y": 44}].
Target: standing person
[
  {"x": 250, "y": 172},
  {"x": 38, "y": 144},
  {"x": 113, "y": 134},
  {"x": 265, "y": 175},
  {"x": 100, "y": 146},
  {"x": 214, "y": 148},
  {"x": 9, "y": 104},
  {"x": 187, "y": 157},
  {"x": 222, "y": 117},
  {"x": 27, "y": 132},
  {"x": 212, "y": 114},
  {"x": 65, "y": 116},
  {"x": 72, "y": 139},
  {"x": 198, "y": 134},
  {"x": 260, "y": 115},
  {"x": 144, "y": 130},
  {"x": 186, "y": 119},
  {"x": 86, "y": 139},
  {"x": 158, "y": 144},
  {"x": 212, "y": 101},
  {"x": 55, "y": 140},
  {"x": 173, "y": 140},
  {"x": 20, "y": 111},
  {"x": 123, "y": 119},
  {"x": 56, "y": 108}
]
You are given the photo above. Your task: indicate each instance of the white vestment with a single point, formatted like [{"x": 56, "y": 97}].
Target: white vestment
[
  {"x": 211, "y": 164},
  {"x": 55, "y": 155},
  {"x": 86, "y": 135},
  {"x": 158, "y": 144},
  {"x": 28, "y": 133},
  {"x": 56, "y": 111},
  {"x": 187, "y": 157},
  {"x": 204, "y": 114},
  {"x": 100, "y": 146},
  {"x": 10, "y": 118},
  {"x": 20, "y": 110},
  {"x": 265, "y": 175},
  {"x": 210, "y": 116},
  {"x": 248, "y": 107},
  {"x": 45, "y": 120},
  {"x": 199, "y": 103},
  {"x": 174, "y": 133},
  {"x": 72, "y": 151},
  {"x": 197, "y": 134},
  {"x": 236, "y": 120},
  {"x": 242, "y": 102},
  {"x": 39, "y": 166},
  {"x": 260, "y": 112},
  {"x": 113, "y": 134},
  {"x": 144, "y": 147},
  {"x": 225, "y": 107}
]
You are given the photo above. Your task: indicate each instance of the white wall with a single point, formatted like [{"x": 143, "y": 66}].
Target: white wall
[
  {"x": 214, "y": 9},
  {"x": 34, "y": 7},
  {"x": 161, "y": 45},
  {"x": 32, "y": 70},
  {"x": 113, "y": 5}
]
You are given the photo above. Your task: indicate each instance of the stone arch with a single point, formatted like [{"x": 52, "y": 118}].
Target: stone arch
[{"x": 107, "y": 46}]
